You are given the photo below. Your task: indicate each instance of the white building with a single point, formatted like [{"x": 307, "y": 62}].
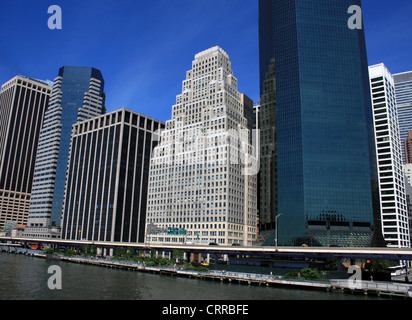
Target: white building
[
  {"x": 200, "y": 191},
  {"x": 395, "y": 225}
]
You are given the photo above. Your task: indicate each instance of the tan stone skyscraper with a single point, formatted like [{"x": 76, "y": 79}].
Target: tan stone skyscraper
[{"x": 202, "y": 183}]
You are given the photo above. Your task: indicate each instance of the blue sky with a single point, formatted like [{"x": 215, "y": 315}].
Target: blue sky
[{"x": 144, "y": 48}]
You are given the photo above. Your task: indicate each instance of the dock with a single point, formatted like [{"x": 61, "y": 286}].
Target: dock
[
  {"x": 215, "y": 275},
  {"x": 377, "y": 288},
  {"x": 380, "y": 289}
]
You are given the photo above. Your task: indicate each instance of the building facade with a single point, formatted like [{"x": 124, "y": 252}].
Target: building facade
[
  {"x": 407, "y": 148},
  {"x": 78, "y": 94},
  {"x": 326, "y": 172},
  {"x": 267, "y": 173},
  {"x": 394, "y": 208},
  {"x": 407, "y": 170},
  {"x": 403, "y": 91},
  {"x": 202, "y": 183},
  {"x": 108, "y": 171},
  {"x": 23, "y": 103}
]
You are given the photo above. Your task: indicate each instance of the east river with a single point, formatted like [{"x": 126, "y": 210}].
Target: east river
[{"x": 26, "y": 278}]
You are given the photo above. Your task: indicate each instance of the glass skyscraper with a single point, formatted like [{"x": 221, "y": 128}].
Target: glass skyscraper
[
  {"x": 326, "y": 190},
  {"x": 403, "y": 91},
  {"x": 78, "y": 95}
]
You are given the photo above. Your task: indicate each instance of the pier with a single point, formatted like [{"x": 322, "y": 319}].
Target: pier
[
  {"x": 377, "y": 288},
  {"x": 388, "y": 289}
]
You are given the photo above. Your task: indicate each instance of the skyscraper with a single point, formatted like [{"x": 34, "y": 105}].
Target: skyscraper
[
  {"x": 394, "y": 210},
  {"x": 23, "y": 103},
  {"x": 326, "y": 190},
  {"x": 107, "y": 179},
  {"x": 267, "y": 173},
  {"x": 201, "y": 187},
  {"x": 78, "y": 94},
  {"x": 407, "y": 148},
  {"x": 403, "y": 88},
  {"x": 403, "y": 91}
]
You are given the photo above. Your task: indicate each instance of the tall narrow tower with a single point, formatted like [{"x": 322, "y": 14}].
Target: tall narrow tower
[
  {"x": 202, "y": 183},
  {"x": 77, "y": 96},
  {"x": 395, "y": 224}
]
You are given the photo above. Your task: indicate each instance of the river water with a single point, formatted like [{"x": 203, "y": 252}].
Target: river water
[{"x": 26, "y": 278}]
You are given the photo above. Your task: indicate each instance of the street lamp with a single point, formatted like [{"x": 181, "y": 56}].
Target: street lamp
[{"x": 276, "y": 221}]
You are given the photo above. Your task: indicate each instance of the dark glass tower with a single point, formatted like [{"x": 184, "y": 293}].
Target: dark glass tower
[
  {"x": 78, "y": 95},
  {"x": 326, "y": 190},
  {"x": 108, "y": 176}
]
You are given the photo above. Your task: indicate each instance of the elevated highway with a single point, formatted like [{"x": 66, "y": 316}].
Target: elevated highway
[{"x": 257, "y": 252}]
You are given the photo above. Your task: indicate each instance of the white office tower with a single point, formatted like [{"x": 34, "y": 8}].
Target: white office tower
[
  {"x": 203, "y": 174},
  {"x": 395, "y": 225}
]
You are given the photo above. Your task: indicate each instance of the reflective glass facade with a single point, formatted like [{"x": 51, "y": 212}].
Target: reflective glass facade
[
  {"x": 403, "y": 91},
  {"x": 77, "y": 95},
  {"x": 325, "y": 150},
  {"x": 76, "y": 82}
]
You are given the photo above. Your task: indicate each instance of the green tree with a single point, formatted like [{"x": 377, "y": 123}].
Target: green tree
[
  {"x": 380, "y": 265},
  {"x": 331, "y": 264},
  {"x": 309, "y": 274},
  {"x": 69, "y": 253},
  {"x": 119, "y": 252},
  {"x": 306, "y": 273},
  {"x": 130, "y": 253},
  {"x": 293, "y": 274},
  {"x": 93, "y": 250},
  {"x": 48, "y": 251},
  {"x": 177, "y": 254}
]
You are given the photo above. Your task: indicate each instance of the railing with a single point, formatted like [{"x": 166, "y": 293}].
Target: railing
[{"x": 376, "y": 286}]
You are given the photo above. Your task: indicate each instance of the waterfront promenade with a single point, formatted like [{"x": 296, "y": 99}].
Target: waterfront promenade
[
  {"x": 334, "y": 286},
  {"x": 389, "y": 289}
]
